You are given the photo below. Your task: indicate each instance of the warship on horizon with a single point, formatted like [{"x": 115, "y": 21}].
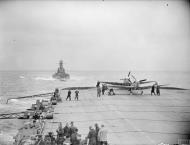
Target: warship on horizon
[{"x": 60, "y": 74}]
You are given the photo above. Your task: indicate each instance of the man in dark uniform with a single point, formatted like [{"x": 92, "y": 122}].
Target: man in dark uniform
[
  {"x": 69, "y": 95},
  {"x": 75, "y": 138},
  {"x": 50, "y": 139},
  {"x": 66, "y": 130},
  {"x": 111, "y": 92},
  {"x": 72, "y": 128},
  {"x": 103, "y": 89},
  {"x": 91, "y": 136},
  {"x": 60, "y": 131},
  {"x": 76, "y": 95},
  {"x": 152, "y": 90},
  {"x": 158, "y": 90},
  {"x": 60, "y": 135},
  {"x": 97, "y": 128},
  {"x": 98, "y": 84},
  {"x": 56, "y": 93}
]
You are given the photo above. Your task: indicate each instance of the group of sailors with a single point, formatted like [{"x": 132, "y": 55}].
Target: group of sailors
[
  {"x": 56, "y": 96},
  {"x": 97, "y": 135},
  {"x": 76, "y": 95},
  {"x": 101, "y": 90},
  {"x": 69, "y": 135}
]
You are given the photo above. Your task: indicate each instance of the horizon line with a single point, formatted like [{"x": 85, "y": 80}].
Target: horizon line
[{"x": 37, "y": 70}]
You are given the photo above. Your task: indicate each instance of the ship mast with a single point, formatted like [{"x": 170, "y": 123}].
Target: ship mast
[{"x": 61, "y": 64}]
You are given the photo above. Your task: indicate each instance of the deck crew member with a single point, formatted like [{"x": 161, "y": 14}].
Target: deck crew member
[
  {"x": 158, "y": 90},
  {"x": 60, "y": 131},
  {"x": 104, "y": 88},
  {"x": 102, "y": 136},
  {"x": 91, "y": 138},
  {"x": 50, "y": 138},
  {"x": 98, "y": 84},
  {"x": 60, "y": 134},
  {"x": 97, "y": 128},
  {"x": 111, "y": 92},
  {"x": 76, "y": 95},
  {"x": 56, "y": 93},
  {"x": 72, "y": 128},
  {"x": 98, "y": 91},
  {"x": 75, "y": 138},
  {"x": 152, "y": 90},
  {"x": 66, "y": 130},
  {"x": 69, "y": 95}
]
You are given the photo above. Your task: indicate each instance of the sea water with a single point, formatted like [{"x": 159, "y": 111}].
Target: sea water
[{"x": 23, "y": 83}]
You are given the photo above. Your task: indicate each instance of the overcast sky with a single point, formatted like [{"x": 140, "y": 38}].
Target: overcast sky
[{"x": 96, "y": 35}]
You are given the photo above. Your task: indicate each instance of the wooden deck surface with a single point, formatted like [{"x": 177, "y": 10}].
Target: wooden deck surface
[{"x": 129, "y": 119}]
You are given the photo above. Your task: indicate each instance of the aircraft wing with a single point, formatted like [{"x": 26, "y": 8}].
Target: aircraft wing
[
  {"x": 172, "y": 88},
  {"x": 147, "y": 87},
  {"x": 131, "y": 87},
  {"x": 142, "y": 80},
  {"x": 146, "y": 82},
  {"x": 79, "y": 88},
  {"x": 113, "y": 83}
]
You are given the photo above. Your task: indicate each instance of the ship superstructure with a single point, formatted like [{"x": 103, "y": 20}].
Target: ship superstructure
[{"x": 61, "y": 74}]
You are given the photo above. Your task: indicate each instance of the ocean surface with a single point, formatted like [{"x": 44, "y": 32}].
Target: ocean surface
[{"x": 23, "y": 83}]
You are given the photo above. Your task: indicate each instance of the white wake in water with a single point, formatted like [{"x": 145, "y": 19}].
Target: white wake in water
[{"x": 44, "y": 78}]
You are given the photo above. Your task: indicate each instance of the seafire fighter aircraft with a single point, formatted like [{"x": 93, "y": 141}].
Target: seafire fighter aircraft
[
  {"x": 135, "y": 87},
  {"x": 128, "y": 81}
]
